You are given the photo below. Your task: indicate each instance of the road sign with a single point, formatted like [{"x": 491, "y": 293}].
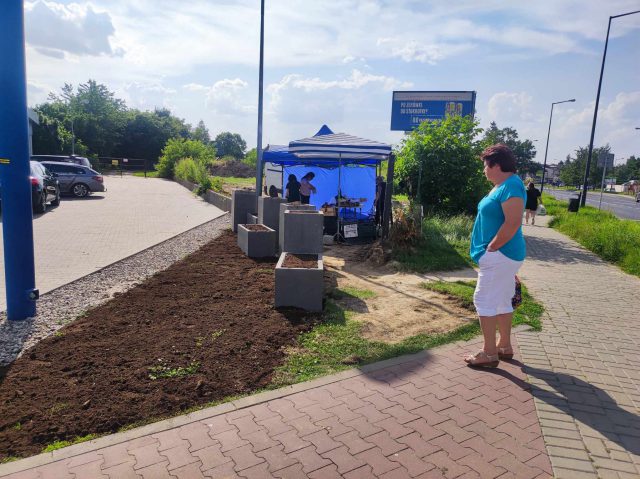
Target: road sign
[
  {"x": 608, "y": 157},
  {"x": 410, "y": 108},
  {"x": 114, "y": 162}
]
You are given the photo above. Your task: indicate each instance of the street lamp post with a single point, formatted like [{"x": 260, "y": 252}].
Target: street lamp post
[
  {"x": 595, "y": 110},
  {"x": 544, "y": 167},
  {"x": 260, "y": 89}
]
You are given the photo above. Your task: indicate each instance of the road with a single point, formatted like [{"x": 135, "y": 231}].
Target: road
[{"x": 622, "y": 206}]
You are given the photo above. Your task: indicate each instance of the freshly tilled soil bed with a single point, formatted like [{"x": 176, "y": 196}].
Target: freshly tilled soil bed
[
  {"x": 306, "y": 261},
  {"x": 203, "y": 329}
]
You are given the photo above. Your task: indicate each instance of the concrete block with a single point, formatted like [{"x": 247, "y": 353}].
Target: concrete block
[
  {"x": 242, "y": 202},
  {"x": 289, "y": 206},
  {"x": 252, "y": 219},
  {"x": 269, "y": 211},
  {"x": 302, "y": 231},
  {"x": 257, "y": 243},
  {"x": 299, "y": 287}
]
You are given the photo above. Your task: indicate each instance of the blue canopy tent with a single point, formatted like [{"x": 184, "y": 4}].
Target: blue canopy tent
[
  {"x": 337, "y": 159},
  {"x": 341, "y": 162}
]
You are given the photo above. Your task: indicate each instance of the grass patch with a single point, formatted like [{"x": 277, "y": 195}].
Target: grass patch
[
  {"x": 150, "y": 174},
  {"x": 349, "y": 292},
  {"x": 163, "y": 370},
  {"x": 444, "y": 245},
  {"x": 8, "y": 459},
  {"x": 613, "y": 239},
  {"x": 226, "y": 184},
  {"x": 337, "y": 344},
  {"x": 77, "y": 440}
]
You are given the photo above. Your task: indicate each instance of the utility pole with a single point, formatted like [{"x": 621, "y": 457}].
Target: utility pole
[
  {"x": 260, "y": 89},
  {"x": 17, "y": 224}
]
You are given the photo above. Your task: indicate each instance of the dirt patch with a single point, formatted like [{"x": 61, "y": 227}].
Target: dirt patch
[
  {"x": 306, "y": 261},
  {"x": 232, "y": 168},
  {"x": 401, "y": 307},
  {"x": 202, "y": 330},
  {"x": 256, "y": 227}
]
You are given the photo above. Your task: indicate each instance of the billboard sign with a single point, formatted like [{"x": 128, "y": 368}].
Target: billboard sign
[
  {"x": 605, "y": 157},
  {"x": 410, "y": 108}
]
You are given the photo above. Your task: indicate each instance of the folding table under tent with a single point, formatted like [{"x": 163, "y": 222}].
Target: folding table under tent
[{"x": 343, "y": 164}]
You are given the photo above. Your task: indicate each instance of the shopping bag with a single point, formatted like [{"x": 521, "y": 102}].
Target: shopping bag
[
  {"x": 542, "y": 211},
  {"x": 517, "y": 297}
]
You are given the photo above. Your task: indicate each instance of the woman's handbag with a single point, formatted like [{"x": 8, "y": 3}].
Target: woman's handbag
[
  {"x": 517, "y": 297},
  {"x": 542, "y": 211}
]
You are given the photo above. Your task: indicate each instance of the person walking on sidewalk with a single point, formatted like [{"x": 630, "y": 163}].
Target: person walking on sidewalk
[
  {"x": 531, "y": 207},
  {"x": 498, "y": 248}
]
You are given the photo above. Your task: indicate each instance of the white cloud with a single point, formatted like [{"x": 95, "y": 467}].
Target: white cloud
[
  {"x": 509, "y": 108},
  {"x": 56, "y": 29},
  {"x": 225, "y": 97}
]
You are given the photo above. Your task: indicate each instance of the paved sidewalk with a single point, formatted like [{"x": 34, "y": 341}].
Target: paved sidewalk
[
  {"x": 426, "y": 416},
  {"x": 584, "y": 365}
]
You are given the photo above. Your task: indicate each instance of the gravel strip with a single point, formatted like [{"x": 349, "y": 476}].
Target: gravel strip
[{"x": 64, "y": 304}]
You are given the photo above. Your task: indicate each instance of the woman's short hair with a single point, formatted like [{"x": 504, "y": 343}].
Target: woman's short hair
[
  {"x": 292, "y": 178},
  {"x": 309, "y": 176},
  {"x": 531, "y": 185},
  {"x": 500, "y": 154}
]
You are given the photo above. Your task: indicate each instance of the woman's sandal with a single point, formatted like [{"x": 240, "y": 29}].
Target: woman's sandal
[
  {"x": 482, "y": 360},
  {"x": 505, "y": 353}
]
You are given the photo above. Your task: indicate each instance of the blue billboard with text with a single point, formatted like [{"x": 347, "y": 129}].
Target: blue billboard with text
[{"x": 410, "y": 108}]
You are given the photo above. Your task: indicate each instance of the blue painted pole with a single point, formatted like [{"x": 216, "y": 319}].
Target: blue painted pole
[{"x": 15, "y": 186}]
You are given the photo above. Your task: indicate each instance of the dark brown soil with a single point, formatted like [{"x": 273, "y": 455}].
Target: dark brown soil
[
  {"x": 300, "y": 261},
  {"x": 208, "y": 319},
  {"x": 256, "y": 227}
]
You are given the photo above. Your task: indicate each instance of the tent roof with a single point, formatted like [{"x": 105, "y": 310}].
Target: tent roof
[{"x": 326, "y": 144}]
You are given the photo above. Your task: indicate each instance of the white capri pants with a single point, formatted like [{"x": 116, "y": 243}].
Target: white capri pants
[{"x": 496, "y": 284}]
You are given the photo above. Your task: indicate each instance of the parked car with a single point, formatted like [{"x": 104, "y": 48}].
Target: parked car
[
  {"x": 44, "y": 187},
  {"x": 78, "y": 160},
  {"x": 76, "y": 180}
]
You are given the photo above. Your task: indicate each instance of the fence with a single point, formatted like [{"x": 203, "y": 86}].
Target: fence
[{"x": 108, "y": 164}]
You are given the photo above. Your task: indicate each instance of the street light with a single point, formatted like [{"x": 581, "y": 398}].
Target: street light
[
  {"x": 544, "y": 167},
  {"x": 595, "y": 110}
]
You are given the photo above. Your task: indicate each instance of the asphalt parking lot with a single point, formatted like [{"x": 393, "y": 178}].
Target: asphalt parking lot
[{"x": 83, "y": 235}]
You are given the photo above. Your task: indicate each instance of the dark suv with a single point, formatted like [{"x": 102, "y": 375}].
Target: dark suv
[
  {"x": 75, "y": 179},
  {"x": 44, "y": 187},
  {"x": 78, "y": 160}
]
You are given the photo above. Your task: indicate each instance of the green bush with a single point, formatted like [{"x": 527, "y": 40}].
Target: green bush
[
  {"x": 177, "y": 149},
  {"x": 195, "y": 171}
]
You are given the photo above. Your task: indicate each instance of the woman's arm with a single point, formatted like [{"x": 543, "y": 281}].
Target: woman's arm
[
  {"x": 512, "y": 209},
  {"x": 313, "y": 188}
]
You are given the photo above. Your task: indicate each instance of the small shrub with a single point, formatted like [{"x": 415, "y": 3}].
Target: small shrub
[
  {"x": 177, "y": 149},
  {"x": 163, "y": 370},
  {"x": 405, "y": 231}
]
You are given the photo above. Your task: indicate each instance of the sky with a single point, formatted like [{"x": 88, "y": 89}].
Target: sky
[{"x": 339, "y": 62}]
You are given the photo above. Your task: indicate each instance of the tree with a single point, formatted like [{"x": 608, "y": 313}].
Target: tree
[
  {"x": 629, "y": 171},
  {"x": 230, "y": 144},
  {"x": 177, "y": 149},
  {"x": 572, "y": 172},
  {"x": 524, "y": 151},
  {"x": 445, "y": 155},
  {"x": 251, "y": 158},
  {"x": 201, "y": 133}
]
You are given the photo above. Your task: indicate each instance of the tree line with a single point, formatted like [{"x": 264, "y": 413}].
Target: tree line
[{"x": 103, "y": 126}]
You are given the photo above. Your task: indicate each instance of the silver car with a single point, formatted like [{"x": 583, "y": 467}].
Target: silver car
[{"x": 75, "y": 179}]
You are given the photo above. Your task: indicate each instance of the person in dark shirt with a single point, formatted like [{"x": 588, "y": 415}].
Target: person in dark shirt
[
  {"x": 381, "y": 187},
  {"x": 533, "y": 194},
  {"x": 292, "y": 190}
]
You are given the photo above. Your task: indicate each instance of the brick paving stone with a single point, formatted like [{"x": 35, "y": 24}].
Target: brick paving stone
[
  {"x": 371, "y": 413},
  {"x": 363, "y": 426},
  {"x": 446, "y": 465},
  {"x": 316, "y": 412},
  {"x": 275, "y": 425},
  {"x": 169, "y": 439},
  {"x": 431, "y": 416},
  {"x": 114, "y": 455},
  {"x": 423, "y": 427},
  {"x": 291, "y": 472},
  {"x": 354, "y": 442},
  {"x": 155, "y": 471},
  {"x": 393, "y": 427},
  {"x": 342, "y": 459},
  {"x": 456, "y": 432},
  {"x": 377, "y": 460},
  {"x": 276, "y": 458},
  {"x": 364, "y": 472},
  {"x": 260, "y": 440},
  {"x": 411, "y": 461},
  {"x": 482, "y": 447},
  {"x": 121, "y": 471},
  {"x": 190, "y": 471},
  {"x": 334, "y": 426},
  {"x": 147, "y": 455},
  {"x": 322, "y": 441},
  {"x": 223, "y": 471},
  {"x": 343, "y": 413},
  {"x": 259, "y": 471},
  {"x": 285, "y": 408},
  {"x": 304, "y": 425},
  {"x": 386, "y": 443},
  {"x": 90, "y": 470},
  {"x": 243, "y": 457},
  {"x": 310, "y": 459},
  {"x": 291, "y": 441},
  {"x": 245, "y": 424},
  {"x": 327, "y": 472},
  {"x": 230, "y": 440},
  {"x": 401, "y": 414},
  {"x": 179, "y": 456},
  {"x": 454, "y": 450},
  {"x": 416, "y": 442},
  {"x": 211, "y": 457}
]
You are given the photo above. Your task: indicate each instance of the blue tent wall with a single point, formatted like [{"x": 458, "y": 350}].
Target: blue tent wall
[{"x": 357, "y": 182}]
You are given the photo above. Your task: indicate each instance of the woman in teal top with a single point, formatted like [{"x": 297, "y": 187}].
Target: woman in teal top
[{"x": 498, "y": 247}]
